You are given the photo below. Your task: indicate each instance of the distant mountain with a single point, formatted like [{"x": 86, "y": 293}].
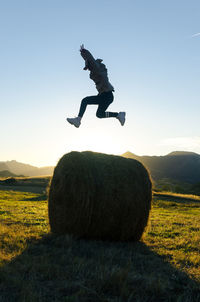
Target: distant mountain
[
  {"x": 179, "y": 165},
  {"x": 24, "y": 169},
  {"x": 6, "y": 173},
  {"x": 182, "y": 153},
  {"x": 3, "y": 166}
]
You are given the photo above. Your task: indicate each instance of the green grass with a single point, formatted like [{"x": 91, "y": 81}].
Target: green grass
[
  {"x": 177, "y": 196},
  {"x": 37, "y": 266},
  {"x": 37, "y": 184}
]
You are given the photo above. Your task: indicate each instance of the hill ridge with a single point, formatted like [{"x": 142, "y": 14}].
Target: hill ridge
[
  {"x": 181, "y": 166},
  {"x": 19, "y": 168},
  {"x": 178, "y": 165}
]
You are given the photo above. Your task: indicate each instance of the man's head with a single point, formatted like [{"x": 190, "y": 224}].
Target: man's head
[{"x": 98, "y": 61}]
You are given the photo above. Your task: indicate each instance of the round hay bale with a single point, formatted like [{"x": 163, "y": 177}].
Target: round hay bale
[{"x": 99, "y": 196}]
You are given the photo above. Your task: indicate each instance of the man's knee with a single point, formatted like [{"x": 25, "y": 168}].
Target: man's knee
[
  {"x": 85, "y": 100},
  {"x": 100, "y": 114}
]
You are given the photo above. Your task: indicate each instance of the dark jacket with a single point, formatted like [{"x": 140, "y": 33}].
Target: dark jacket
[{"x": 98, "y": 72}]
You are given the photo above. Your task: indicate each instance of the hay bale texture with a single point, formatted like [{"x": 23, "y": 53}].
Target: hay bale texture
[{"x": 99, "y": 196}]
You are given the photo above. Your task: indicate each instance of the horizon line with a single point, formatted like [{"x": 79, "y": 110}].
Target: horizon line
[{"x": 46, "y": 166}]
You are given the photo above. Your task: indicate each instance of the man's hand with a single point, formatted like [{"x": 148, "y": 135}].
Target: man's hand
[
  {"x": 82, "y": 48},
  {"x": 89, "y": 60}
]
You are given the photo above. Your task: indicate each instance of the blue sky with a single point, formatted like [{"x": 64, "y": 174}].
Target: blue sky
[{"x": 151, "y": 50}]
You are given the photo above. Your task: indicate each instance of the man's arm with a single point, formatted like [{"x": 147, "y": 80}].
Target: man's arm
[{"x": 90, "y": 62}]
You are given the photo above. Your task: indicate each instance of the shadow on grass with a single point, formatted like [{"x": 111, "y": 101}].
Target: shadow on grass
[
  {"x": 180, "y": 199},
  {"x": 21, "y": 188},
  {"x": 64, "y": 269},
  {"x": 41, "y": 197}
]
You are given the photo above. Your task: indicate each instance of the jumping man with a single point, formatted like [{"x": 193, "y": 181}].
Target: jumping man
[{"x": 98, "y": 73}]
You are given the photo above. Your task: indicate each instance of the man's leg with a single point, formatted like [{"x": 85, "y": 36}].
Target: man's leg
[
  {"x": 89, "y": 100},
  {"x": 105, "y": 99},
  {"x": 102, "y": 113}
]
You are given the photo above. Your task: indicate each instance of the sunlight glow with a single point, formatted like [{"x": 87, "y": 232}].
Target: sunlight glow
[{"x": 187, "y": 143}]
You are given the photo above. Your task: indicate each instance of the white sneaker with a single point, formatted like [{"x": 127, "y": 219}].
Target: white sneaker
[
  {"x": 121, "y": 117},
  {"x": 76, "y": 121}
]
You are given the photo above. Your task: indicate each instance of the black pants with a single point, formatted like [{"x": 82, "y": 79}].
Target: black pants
[{"x": 103, "y": 100}]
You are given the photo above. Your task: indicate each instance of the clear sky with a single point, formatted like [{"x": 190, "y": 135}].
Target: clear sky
[{"x": 151, "y": 50}]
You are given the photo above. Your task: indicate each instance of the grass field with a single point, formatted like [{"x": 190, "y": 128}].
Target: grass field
[{"x": 38, "y": 266}]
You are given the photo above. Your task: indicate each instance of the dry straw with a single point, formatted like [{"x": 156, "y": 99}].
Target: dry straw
[{"x": 99, "y": 196}]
